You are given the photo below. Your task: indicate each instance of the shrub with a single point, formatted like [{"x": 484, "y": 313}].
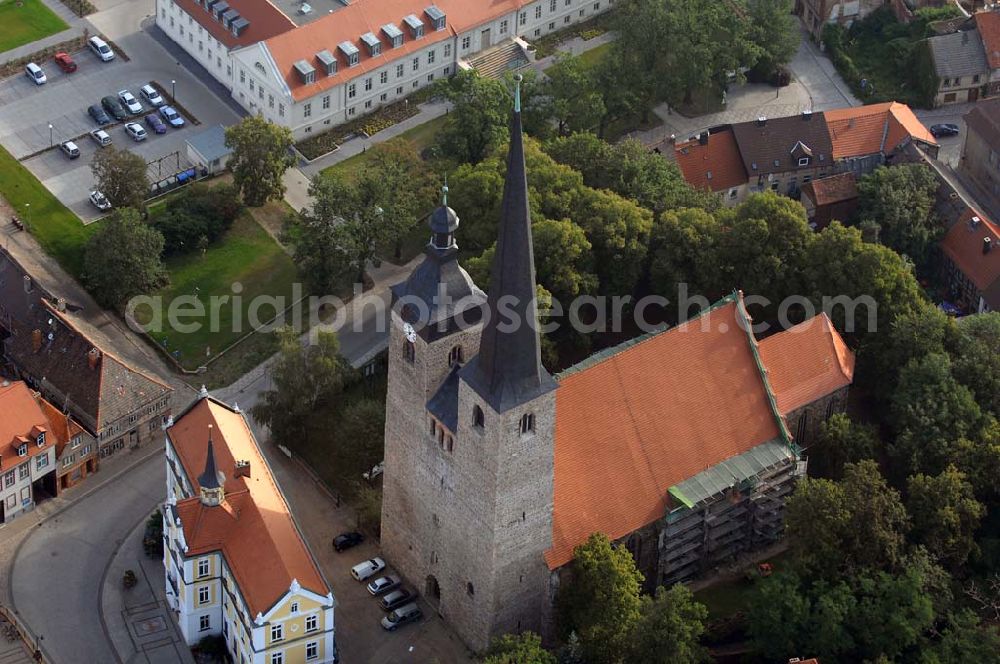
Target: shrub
[{"x": 200, "y": 211}]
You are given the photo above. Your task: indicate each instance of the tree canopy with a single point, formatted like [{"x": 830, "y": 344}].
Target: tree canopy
[
  {"x": 121, "y": 176},
  {"x": 900, "y": 200},
  {"x": 261, "y": 153},
  {"x": 122, "y": 260}
]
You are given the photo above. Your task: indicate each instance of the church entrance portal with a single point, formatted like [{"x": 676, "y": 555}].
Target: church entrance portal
[{"x": 432, "y": 591}]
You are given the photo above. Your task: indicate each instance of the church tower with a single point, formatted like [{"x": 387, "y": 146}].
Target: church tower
[
  {"x": 210, "y": 489},
  {"x": 467, "y": 502}
]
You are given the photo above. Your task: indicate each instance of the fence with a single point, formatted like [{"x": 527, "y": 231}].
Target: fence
[{"x": 34, "y": 645}]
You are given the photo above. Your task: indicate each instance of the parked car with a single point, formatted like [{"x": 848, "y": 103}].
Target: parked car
[
  {"x": 129, "y": 101},
  {"x": 34, "y": 73},
  {"x": 100, "y": 117},
  {"x": 395, "y": 599},
  {"x": 404, "y": 614},
  {"x": 65, "y": 62},
  {"x": 368, "y": 568},
  {"x": 172, "y": 117},
  {"x": 101, "y": 137},
  {"x": 101, "y": 49},
  {"x": 100, "y": 201},
  {"x": 136, "y": 131},
  {"x": 69, "y": 149},
  {"x": 383, "y": 584},
  {"x": 345, "y": 541},
  {"x": 156, "y": 124},
  {"x": 111, "y": 105},
  {"x": 947, "y": 129},
  {"x": 152, "y": 97}
]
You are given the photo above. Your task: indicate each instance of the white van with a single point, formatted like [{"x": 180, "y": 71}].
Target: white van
[
  {"x": 101, "y": 48},
  {"x": 34, "y": 73}
]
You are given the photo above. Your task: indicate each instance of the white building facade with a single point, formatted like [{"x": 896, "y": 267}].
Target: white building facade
[{"x": 358, "y": 57}]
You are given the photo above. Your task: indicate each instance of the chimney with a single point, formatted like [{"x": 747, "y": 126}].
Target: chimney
[
  {"x": 974, "y": 222},
  {"x": 27, "y": 284},
  {"x": 36, "y": 340},
  {"x": 987, "y": 245},
  {"x": 703, "y": 138},
  {"x": 242, "y": 469},
  {"x": 93, "y": 356},
  {"x": 807, "y": 115},
  {"x": 761, "y": 121},
  {"x": 61, "y": 305}
]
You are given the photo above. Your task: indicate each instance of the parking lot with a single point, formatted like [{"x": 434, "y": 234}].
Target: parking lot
[{"x": 27, "y": 110}]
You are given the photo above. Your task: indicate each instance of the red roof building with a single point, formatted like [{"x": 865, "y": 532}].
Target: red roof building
[
  {"x": 972, "y": 261},
  {"x": 712, "y": 161}
]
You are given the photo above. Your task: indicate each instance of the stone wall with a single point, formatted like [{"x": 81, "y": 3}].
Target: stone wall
[{"x": 804, "y": 423}]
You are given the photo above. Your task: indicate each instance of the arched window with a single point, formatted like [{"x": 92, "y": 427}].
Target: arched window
[
  {"x": 469, "y": 589},
  {"x": 455, "y": 356},
  {"x": 527, "y": 423},
  {"x": 450, "y": 443},
  {"x": 478, "y": 417},
  {"x": 409, "y": 351},
  {"x": 800, "y": 431},
  {"x": 434, "y": 426}
]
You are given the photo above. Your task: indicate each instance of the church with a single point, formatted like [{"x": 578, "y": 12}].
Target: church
[{"x": 680, "y": 445}]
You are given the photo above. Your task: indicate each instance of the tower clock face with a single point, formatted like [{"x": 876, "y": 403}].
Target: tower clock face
[{"x": 409, "y": 332}]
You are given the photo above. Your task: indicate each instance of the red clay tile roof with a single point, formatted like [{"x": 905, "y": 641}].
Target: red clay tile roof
[
  {"x": 963, "y": 244},
  {"x": 806, "y": 362},
  {"x": 266, "y": 21},
  {"x": 363, "y": 16},
  {"x": 647, "y": 418},
  {"x": 988, "y": 24},
  {"x": 23, "y": 414},
  {"x": 717, "y": 166},
  {"x": 254, "y": 528},
  {"x": 862, "y": 130},
  {"x": 833, "y": 189}
]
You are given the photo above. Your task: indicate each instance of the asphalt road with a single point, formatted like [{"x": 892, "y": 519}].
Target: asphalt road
[{"x": 58, "y": 570}]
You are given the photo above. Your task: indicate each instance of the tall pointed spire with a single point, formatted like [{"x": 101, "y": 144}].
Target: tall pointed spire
[
  {"x": 208, "y": 481},
  {"x": 508, "y": 370}
]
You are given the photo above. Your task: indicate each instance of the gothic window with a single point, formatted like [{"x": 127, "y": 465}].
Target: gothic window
[
  {"x": 527, "y": 423},
  {"x": 440, "y": 432},
  {"x": 469, "y": 589},
  {"x": 634, "y": 546},
  {"x": 829, "y": 408},
  {"x": 478, "y": 417},
  {"x": 800, "y": 432},
  {"x": 455, "y": 356},
  {"x": 450, "y": 444},
  {"x": 409, "y": 351},
  {"x": 433, "y": 427}
]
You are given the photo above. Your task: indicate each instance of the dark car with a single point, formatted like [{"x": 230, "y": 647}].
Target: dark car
[
  {"x": 100, "y": 117},
  {"x": 114, "y": 107},
  {"x": 395, "y": 599},
  {"x": 940, "y": 130},
  {"x": 345, "y": 541},
  {"x": 65, "y": 62},
  {"x": 156, "y": 124}
]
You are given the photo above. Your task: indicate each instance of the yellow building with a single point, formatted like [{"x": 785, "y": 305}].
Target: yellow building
[{"x": 236, "y": 564}]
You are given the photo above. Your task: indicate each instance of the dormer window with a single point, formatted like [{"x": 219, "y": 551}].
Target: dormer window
[
  {"x": 373, "y": 44},
  {"x": 393, "y": 34},
  {"x": 527, "y": 424},
  {"x": 41, "y": 438},
  {"x": 22, "y": 450},
  {"x": 436, "y": 16},
  {"x": 295, "y": 607},
  {"x": 478, "y": 417},
  {"x": 328, "y": 62},
  {"x": 351, "y": 52},
  {"x": 307, "y": 73},
  {"x": 416, "y": 26},
  {"x": 803, "y": 161}
]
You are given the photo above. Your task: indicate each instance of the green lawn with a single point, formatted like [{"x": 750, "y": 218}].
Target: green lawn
[
  {"x": 422, "y": 136},
  {"x": 25, "y": 21},
  {"x": 58, "y": 230},
  {"x": 595, "y": 55},
  {"x": 245, "y": 254}
]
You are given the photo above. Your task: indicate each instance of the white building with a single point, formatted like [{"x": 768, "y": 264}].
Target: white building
[
  {"x": 236, "y": 564},
  {"x": 309, "y": 67},
  {"x": 30, "y": 430}
]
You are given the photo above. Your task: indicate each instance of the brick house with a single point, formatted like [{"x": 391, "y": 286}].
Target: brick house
[
  {"x": 114, "y": 402},
  {"x": 831, "y": 198},
  {"x": 980, "y": 161},
  {"x": 972, "y": 262},
  {"x": 712, "y": 161}
]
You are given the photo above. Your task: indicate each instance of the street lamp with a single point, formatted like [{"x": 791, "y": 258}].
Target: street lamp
[
  {"x": 172, "y": 84},
  {"x": 27, "y": 209},
  {"x": 50, "y": 134}
]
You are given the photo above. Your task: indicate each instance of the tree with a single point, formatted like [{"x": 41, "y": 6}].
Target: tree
[
  {"x": 304, "y": 379},
  {"x": 563, "y": 259},
  {"x": 913, "y": 334},
  {"x": 261, "y": 153},
  {"x": 900, "y": 200},
  {"x": 601, "y": 601},
  {"x": 816, "y": 516},
  {"x": 618, "y": 230},
  {"x": 778, "y": 615},
  {"x": 670, "y": 628},
  {"x": 524, "y": 648},
  {"x": 965, "y": 639},
  {"x": 360, "y": 437},
  {"x": 576, "y": 104},
  {"x": 368, "y": 501},
  {"x": 977, "y": 358},
  {"x": 198, "y": 212},
  {"x": 121, "y": 176},
  {"x": 841, "y": 441},
  {"x": 122, "y": 260},
  {"x": 931, "y": 411},
  {"x": 684, "y": 250},
  {"x": 478, "y": 120},
  {"x": 891, "y": 613},
  {"x": 774, "y": 31},
  {"x": 945, "y": 515}
]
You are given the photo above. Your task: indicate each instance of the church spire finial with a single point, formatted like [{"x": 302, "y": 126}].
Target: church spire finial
[{"x": 444, "y": 192}]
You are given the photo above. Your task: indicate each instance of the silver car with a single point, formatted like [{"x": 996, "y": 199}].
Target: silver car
[
  {"x": 129, "y": 101},
  {"x": 367, "y": 569},
  {"x": 404, "y": 614}
]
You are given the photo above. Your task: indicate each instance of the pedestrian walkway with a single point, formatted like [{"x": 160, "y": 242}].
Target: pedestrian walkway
[{"x": 138, "y": 621}]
